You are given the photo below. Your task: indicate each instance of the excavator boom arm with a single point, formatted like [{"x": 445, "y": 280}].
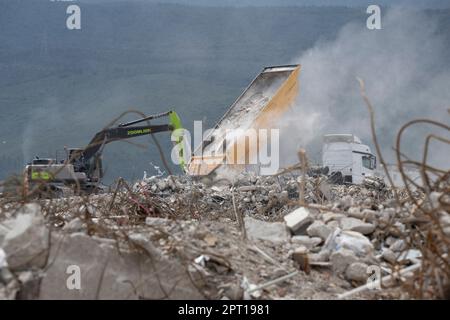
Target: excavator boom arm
[
  {"x": 123, "y": 131},
  {"x": 120, "y": 133}
]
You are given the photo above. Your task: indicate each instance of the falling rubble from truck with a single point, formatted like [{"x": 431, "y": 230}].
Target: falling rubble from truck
[{"x": 267, "y": 97}]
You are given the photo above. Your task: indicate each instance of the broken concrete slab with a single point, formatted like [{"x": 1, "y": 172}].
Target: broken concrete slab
[
  {"x": 298, "y": 220},
  {"x": 269, "y": 231},
  {"x": 357, "y": 225},
  {"x": 319, "y": 229},
  {"x": 26, "y": 244},
  {"x": 105, "y": 273}
]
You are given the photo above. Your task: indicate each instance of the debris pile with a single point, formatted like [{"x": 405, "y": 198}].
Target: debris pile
[{"x": 173, "y": 237}]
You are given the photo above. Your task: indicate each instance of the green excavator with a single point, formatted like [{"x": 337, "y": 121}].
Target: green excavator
[{"x": 82, "y": 168}]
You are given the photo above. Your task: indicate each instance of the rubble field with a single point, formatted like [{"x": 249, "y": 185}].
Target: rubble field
[{"x": 260, "y": 237}]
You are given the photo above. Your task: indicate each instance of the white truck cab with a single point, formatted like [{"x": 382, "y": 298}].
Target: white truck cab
[{"x": 347, "y": 158}]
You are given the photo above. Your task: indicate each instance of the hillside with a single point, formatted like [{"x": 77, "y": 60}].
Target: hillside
[{"x": 59, "y": 87}]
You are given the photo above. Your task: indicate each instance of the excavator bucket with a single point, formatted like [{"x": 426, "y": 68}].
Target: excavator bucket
[{"x": 261, "y": 104}]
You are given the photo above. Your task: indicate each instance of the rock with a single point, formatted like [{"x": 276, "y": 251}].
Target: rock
[
  {"x": 398, "y": 229},
  {"x": 322, "y": 256},
  {"x": 162, "y": 185},
  {"x": 398, "y": 245},
  {"x": 333, "y": 224},
  {"x": 386, "y": 215},
  {"x": 306, "y": 241},
  {"x": 319, "y": 229},
  {"x": 355, "y": 212},
  {"x": 390, "y": 240},
  {"x": 26, "y": 244},
  {"x": 105, "y": 273},
  {"x": 341, "y": 259},
  {"x": 331, "y": 216},
  {"x": 269, "y": 231},
  {"x": 368, "y": 202},
  {"x": 351, "y": 240},
  {"x": 172, "y": 184},
  {"x": 357, "y": 225},
  {"x": 389, "y": 255},
  {"x": 357, "y": 271},
  {"x": 298, "y": 220}
]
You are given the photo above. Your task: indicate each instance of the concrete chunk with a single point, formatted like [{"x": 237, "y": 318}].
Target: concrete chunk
[
  {"x": 357, "y": 271},
  {"x": 357, "y": 225},
  {"x": 26, "y": 244},
  {"x": 341, "y": 259},
  {"x": 269, "y": 231},
  {"x": 306, "y": 241},
  {"x": 107, "y": 274},
  {"x": 351, "y": 240},
  {"x": 319, "y": 229},
  {"x": 298, "y": 220}
]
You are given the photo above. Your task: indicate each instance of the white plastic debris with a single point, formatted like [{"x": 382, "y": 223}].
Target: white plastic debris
[{"x": 201, "y": 260}]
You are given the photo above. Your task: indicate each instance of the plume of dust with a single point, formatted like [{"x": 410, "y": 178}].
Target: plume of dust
[
  {"x": 406, "y": 69},
  {"x": 35, "y": 139}
]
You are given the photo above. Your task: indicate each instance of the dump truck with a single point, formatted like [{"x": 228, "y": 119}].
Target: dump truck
[
  {"x": 347, "y": 159},
  {"x": 82, "y": 168},
  {"x": 261, "y": 104}
]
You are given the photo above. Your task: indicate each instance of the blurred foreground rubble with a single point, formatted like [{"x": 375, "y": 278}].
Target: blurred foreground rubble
[{"x": 174, "y": 238}]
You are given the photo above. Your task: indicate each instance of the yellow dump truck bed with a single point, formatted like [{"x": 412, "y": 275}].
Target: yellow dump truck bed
[{"x": 259, "y": 107}]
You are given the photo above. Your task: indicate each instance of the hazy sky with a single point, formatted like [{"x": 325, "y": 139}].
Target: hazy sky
[{"x": 405, "y": 68}]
